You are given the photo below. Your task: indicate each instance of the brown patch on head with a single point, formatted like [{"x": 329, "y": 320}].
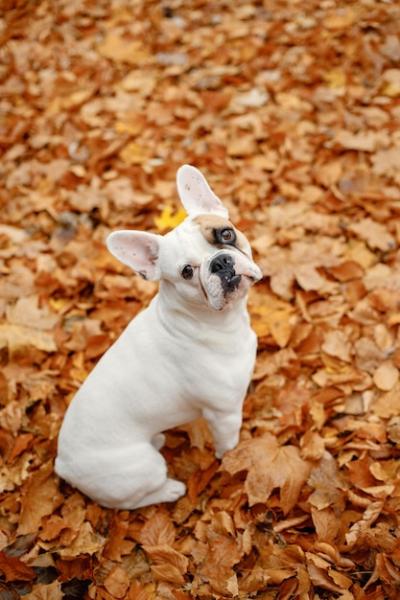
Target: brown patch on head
[{"x": 211, "y": 224}]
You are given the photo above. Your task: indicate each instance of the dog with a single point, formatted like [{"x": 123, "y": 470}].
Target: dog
[{"x": 189, "y": 354}]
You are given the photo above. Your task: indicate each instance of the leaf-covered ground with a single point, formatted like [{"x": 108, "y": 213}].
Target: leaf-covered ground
[{"x": 292, "y": 111}]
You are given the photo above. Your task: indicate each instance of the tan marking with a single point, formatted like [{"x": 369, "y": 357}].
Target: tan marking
[{"x": 208, "y": 223}]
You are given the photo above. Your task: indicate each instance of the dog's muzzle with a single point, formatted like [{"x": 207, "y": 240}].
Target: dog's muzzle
[{"x": 222, "y": 265}]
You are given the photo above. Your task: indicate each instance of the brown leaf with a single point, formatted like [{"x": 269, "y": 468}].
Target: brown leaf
[
  {"x": 158, "y": 530},
  {"x": 386, "y": 376},
  {"x": 369, "y": 517},
  {"x": 272, "y": 316},
  {"x": 167, "y": 563},
  {"x": 14, "y": 569},
  {"x": 336, "y": 343},
  {"x": 375, "y": 234},
  {"x": 51, "y": 591},
  {"x": 118, "y": 49},
  {"x": 269, "y": 466},
  {"x": 117, "y": 582},
  {"x": 17, "y": 336},
  {"x": 117, "y": 545},
  {"x": 86, "y": 542},
  {"x": 327, "y": 483},
  {"x": 137, "y": 592},
  {"x": 40, "y": 497},
  {"x": 27, "y": 313}
]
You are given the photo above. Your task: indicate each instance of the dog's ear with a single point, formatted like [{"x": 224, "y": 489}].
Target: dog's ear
[
  {"x": 196, "y": 195},
  {"x": 137, "y": 249}
]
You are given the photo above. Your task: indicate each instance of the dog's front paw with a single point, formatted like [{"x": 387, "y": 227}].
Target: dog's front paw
[
  {"x": 220, "y": 449},
  {"x": 173, "y": 490},
  {"x": 219, "y": 452}
]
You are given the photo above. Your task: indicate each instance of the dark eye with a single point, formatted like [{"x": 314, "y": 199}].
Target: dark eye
[
  {"x": 228, "y": 236},
  {"x": 187, "y": 272}
]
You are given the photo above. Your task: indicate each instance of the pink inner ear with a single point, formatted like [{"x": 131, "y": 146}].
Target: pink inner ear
[
  {"x": 139, "y": 250},
  {"x": 195, "y": 193}
]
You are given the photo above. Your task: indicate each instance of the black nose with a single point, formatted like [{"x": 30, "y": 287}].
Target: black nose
[
  {"x": 223, "y": 266},
  {"x": 222, "y": 262}
]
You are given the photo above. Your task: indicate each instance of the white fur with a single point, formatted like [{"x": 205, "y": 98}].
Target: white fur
[{"x": 189, "y": 354}]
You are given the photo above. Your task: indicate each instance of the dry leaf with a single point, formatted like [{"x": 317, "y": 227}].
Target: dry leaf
[
  {"x": 50, "y": 591},
  {"x": 337, "y": 344},
  {"x": 269, "y": 466},
  {"x": 168, "y": 219},
  {"x": 386, "y": 376},
  {"x": 167, "y": 563},
  {"x": 119, "y": 49},
  {"x": 375, "y": 234},
  {"x": 271, "y": 316},
  {"x": 14, "y": 337},
  {"x": 14, "y": 569},
  {"x": 40, "y": 497},
  {"x": 117, "y": 582}
]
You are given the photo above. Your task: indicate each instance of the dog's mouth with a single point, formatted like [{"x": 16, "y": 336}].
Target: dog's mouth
[{"x": 226, "y": 278}]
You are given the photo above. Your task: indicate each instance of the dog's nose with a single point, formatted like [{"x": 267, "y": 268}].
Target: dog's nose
[
  {"x": 222, "y": 262},
  {"x": 223, "y": 266}
]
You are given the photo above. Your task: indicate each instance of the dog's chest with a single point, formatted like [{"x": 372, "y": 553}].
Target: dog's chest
[{"x": 219, "y": 371}]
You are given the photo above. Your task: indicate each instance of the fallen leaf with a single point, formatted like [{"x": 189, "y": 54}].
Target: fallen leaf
[
  {"x": 159, "y": 530},
  {"x": 268, "y": 466},
  {"x": 336, "y": 343},
  {"x": 117, "y": 582},
  {"x": 15, "y": 569},
  {"x": 369, "y": 517},
  {"x": 51, "y": 591},
  {"x": 86, "y": 542},
  {"x": 271, "y": 316},
  {"x": 375, "y": 234},
  {"x": 40, "y": 497},
  {"x": 169, "y": 219},
  {"x": 118, "y": 49},
  {"x": 167, "y": 564},
  {"x": 14, "y": 337},
  {"x": 386, "y": 376}
]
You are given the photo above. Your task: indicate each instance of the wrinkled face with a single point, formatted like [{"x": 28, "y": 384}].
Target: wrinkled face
[
  {"x": 208, "y": 261},
  {"x": 205, "y": 258}
]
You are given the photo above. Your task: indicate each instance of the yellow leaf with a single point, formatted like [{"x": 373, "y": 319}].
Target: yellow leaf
[
  {"x": 168, "y": 219},
  {"x": 340, "y": 19},
  {"x": 119, "y": 49},
  {"x": 133, "y": 127},
  {"x": 391, "y": 89},
  {"x": 335, "y": 78},
  {"x": 58, "y": 304},
  {"x": 17, "y": 336},
  {"x": 79, "y": 375},
  {"x": 133, "y": 154},
  {"x": 271, "y": 316}
]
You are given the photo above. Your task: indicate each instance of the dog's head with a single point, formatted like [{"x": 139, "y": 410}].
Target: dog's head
[{"x": 205, "y": 258}]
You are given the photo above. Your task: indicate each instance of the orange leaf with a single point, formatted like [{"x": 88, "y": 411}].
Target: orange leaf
[
  {"x": 39, "y": 498},
  {"x": 158, "y": 530},
  {"x": 168, "y": 564},
  {"x": 269, "y": 466},
  {"x": 14, "y": 569}
]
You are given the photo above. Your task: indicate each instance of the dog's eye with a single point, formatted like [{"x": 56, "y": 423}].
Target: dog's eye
[
  {"x": 187, "y": 272},
  {"x": 227, "y": 236}
]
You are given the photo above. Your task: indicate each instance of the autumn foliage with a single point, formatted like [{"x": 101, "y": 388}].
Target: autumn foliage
[{"x": 291, "y": 109}]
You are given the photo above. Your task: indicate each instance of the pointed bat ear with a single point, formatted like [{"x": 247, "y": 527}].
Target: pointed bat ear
[
  {"x": 196, "y": 195},
  {"x": 137, "y": 249}
]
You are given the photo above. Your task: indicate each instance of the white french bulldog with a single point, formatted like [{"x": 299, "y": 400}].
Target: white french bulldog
[{"x": 191, "y": 353}]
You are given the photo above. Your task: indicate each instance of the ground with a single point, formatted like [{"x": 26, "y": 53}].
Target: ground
[{"x": 291, "y": 109}]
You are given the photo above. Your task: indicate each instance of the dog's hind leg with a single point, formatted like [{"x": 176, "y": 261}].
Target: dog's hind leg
[{"x": 144, "y": 480}]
